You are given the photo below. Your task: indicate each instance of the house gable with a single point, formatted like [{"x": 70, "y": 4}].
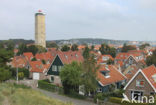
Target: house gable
[
  {"x": 56, "y": 62},
  {"x": 131, "y": 85},
  {"x": 131, "y": 60}
]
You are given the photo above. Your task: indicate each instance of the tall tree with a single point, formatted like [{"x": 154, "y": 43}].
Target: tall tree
[
  {"x": 90, "y": 68},
  {"x": 74, "y": 47},
  {"x": 71, "y": 77},
  {"x": 5, "y": 56},
  {"x": 86, "y": 53},
  {"x": 22, "y": 48},
  {"x": 92, "y": 47},
  {"x": 5, "y": 74}
]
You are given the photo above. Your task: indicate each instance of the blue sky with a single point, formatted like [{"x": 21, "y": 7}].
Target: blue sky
[{"x": 65, "y": 19}]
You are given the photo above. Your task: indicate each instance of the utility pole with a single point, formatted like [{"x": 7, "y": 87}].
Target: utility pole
[{"x": 17, "y": 74}]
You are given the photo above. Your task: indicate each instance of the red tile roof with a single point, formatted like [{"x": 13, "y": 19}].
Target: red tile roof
[
  {"x": 130, "y": 72},
  {"x": 115, "y": 75},
  {"x": 47, "y": 56},
  {"x": 28, "y": 55},
  {"x": 149, "y": 72},
  {"x": 122, "y": 56},
  {"x": 81, "y": 47},
  {"x": 19, "y": 61},
  {"x": 97, "y": 47},
  {"x": 69, "y": 56},
  {"x": 37, "y": 66}
]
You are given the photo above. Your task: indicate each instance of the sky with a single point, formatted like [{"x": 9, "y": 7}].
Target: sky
[{"x": 66, "y": 19}]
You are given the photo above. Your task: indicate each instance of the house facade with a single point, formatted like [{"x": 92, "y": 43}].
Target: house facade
[
  {"x": 143, "y": 83},
  {"x": 59, "y": 61}
]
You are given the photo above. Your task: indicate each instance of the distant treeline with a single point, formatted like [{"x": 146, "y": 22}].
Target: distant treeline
[{"x": 17, "y": 41}]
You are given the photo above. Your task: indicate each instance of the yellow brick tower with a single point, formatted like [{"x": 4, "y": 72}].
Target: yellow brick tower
[{"x": 40, "y": 35}]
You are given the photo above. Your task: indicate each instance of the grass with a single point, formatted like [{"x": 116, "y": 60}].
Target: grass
[{"x": 13, "y": 94}]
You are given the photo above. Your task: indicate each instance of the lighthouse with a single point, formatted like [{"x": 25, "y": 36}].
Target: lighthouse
[{"x": 40, "y": 34}]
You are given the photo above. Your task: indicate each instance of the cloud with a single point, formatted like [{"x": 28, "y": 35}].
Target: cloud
[{"x": 79, "y": 18}]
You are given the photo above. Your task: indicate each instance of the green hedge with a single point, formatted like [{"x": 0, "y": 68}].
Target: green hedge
[
  {"x": 47, "y": 86},
  {"x": 118, "y": 101}
]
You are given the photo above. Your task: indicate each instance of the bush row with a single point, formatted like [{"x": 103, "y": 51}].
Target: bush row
[{"x": 47, "y": 86}]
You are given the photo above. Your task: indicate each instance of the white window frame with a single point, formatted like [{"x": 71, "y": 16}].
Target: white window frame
[
  {"x": 138, "y": 83},
  {"x": 54, "y": 67}
]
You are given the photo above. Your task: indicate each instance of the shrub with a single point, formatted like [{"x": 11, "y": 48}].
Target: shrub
[
  {"x": 21, "y": 75},
  {"x": 74, "y": 94},
  {"x": 101, "y": 96},
  {"x": 43, "y": 84}
]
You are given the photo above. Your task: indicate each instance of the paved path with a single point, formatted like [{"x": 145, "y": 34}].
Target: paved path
[{"x": 65, "y": 98}]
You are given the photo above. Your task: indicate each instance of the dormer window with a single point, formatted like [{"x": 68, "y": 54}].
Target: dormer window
[{"x": 106, "y": 74}]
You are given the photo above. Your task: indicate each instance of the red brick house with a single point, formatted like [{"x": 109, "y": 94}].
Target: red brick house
[{"x": 143, "y": 83}]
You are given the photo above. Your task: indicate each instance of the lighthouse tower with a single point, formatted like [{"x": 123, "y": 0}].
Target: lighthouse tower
[{"x": 40, "y": 35}]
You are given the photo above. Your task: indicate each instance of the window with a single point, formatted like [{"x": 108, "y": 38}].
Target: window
[
  {"x": 140, "y": 83},
  {"x": 106, "y": 74},
  {"x": 99, "y": 89},
  {"x": 59, "y": 68},
  {"x": 104, "y": 58},
  {"x": 136, "y": 95},
  {"x": 54, "y": 68},
  {"x": 152, "y": 93}
]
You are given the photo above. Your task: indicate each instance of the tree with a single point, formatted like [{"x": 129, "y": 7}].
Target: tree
[
  {"x": 86, "y": 53},
  {"x": 71, "y": 77},
  {"x": 109, "y": 62},
  {"x": 126, "y": 48},
  {"x": 144, "y": 46},
  {"x": 5, "y": 56},
  {"x": 34, "y": 59},
  {"x": 52, "y": 45},
  {"x": 151, "y": 59},
  {"x": 43, "y": 61},
  {"x": 65, "y": 48},
  {"x": 5, "y": 74},
  {"x": 32, "y": 49},
  {"x": 23, "y": 70},
  {"x": 40, "y": 49},
  {"x": 105, "y": 49},
  {"x": 92, "y": 47},
  {"x": 22, "y": 48},
  {"x": 74, "y": 47},
  {"x": 90, "y": 68}
]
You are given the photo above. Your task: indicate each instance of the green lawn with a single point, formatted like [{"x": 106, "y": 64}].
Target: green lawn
[{"x": 11, "y": 94}]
